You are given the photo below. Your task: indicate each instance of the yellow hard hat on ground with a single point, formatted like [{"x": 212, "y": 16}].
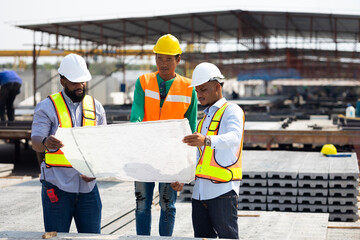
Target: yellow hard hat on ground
[
  {"x": 328, "y": 149},
  {"x": 167, "y": 44}
]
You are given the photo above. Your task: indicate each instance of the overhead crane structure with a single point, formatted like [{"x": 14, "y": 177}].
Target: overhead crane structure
[
  {"x": 58, "y": 52},
  {"x": 317, "y": 45}
]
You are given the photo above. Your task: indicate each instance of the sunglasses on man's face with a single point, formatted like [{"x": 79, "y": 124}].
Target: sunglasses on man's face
[{"x": 162, "y": 90}]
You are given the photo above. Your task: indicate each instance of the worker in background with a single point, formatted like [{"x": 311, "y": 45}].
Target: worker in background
[
  {"x": 219, "y": 139},
  {"x": 65, "y": 193},
  {"x": 10, "y": 84},
  {"x": 158, "y": 96}
]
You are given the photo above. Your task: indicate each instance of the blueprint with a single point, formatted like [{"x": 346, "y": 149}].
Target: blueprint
[{"x": 146, "y": 151}]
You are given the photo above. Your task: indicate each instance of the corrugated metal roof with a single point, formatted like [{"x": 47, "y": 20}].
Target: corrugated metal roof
[{"x": 206, "y": 27}]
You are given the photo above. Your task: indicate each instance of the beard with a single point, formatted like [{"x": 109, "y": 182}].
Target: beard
[{"x": 73, "y": 96}]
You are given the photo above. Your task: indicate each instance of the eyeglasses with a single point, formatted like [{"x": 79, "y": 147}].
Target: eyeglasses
[{"x": 162, "y": 90}]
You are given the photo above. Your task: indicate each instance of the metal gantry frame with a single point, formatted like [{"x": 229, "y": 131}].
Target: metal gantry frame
[{"x": 233, "y": 39}]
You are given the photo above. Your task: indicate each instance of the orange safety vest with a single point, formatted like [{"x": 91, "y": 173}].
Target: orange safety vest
[
  {"x": 208, "y": 167},
  {"x": 176, "y": 102},
  {"x": 57, "y": 159}
]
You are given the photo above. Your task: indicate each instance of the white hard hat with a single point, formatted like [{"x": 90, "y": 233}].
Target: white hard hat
[
  {"x": 74, "y": 68},
  {"x": 205, "y": 72}
]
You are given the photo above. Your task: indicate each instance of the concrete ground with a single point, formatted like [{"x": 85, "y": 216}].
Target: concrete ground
[{"x": 21, "y": 212}]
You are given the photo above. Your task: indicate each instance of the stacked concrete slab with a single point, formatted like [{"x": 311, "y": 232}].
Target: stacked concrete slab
[{"x": 298, "y": 182}]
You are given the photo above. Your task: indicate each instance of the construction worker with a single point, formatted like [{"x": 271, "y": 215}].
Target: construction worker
[
  {"x": 161, "y": 95},
  {"x": 67, "y": 194},
  {"x": 10, "y": 84},
  {"x": 219, "y": 139}
]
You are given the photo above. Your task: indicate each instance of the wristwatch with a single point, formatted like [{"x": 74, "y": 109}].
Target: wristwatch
[
  {"x": 207, "y": 141},
  {"x": 43, "y": 141}
]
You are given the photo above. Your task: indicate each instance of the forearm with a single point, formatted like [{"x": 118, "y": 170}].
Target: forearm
[
  {"x": 37, "y": 144},
  {"x": 137, "y": 109},
  {"x": 227, "y": 140},
  {"x": 191, "y": 113}
]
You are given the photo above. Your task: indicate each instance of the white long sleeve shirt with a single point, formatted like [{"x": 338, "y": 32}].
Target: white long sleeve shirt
[{"x": 225, "y": 144}]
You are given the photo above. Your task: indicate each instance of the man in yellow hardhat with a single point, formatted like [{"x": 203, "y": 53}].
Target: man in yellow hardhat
[{"x": 162, "y": 95}]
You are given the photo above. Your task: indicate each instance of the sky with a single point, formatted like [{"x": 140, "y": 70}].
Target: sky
[{"x": 19, "y": 12}]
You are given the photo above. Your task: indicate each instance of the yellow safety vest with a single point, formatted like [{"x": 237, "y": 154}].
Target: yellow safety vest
[
  {"x": 57, "y": 159},
  {"x": 208, "y": 167}
]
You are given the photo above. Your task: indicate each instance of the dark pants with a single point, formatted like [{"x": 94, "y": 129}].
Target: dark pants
[
  {"x": 216, "y": 217},
  {"x": 85, "y": 208},
  {"x": 8, "y": 93}
]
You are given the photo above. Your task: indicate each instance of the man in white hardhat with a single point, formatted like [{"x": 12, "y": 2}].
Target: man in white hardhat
[
  {"x": 65, "y": 193},
  {"x": 162, "y": 95},
  {"x": 219, "y": 139}
]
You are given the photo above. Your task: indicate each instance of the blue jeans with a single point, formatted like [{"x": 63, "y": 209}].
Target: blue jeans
[
  {"x": 216, "y": 217},
  {"x": 144, "y": 196},
  {"x": 85, "y": 208}
]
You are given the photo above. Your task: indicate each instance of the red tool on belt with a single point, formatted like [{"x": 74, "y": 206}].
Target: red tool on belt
[{"x": 50, "y": 192}]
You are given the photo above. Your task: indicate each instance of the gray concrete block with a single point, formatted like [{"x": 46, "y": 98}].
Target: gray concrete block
[
  {"x": 311, "y": 200},
  {"x": 343, "y": 184},
  {"x": 313, "y": 192},
  {"x": 282, "y": 175},
  {"x": 256, "y": 162},
  {"x": 348, "y": 209},
  {"x": 254, "y": 182},
  {"x": 252, "y": 198},
  {"x": 340, "y": 217},
  {"x": 252, "y": 206},
  {"x": 285, "y": 165},
  {"x": 342, "y": 201},
  {"x": 339, "y": 192},
  {"x": 345, "y": 168},
  {"x": 282, "y": 199},
  {"x": 254, "y": 175},
  {"x": 315, "y": 167},
  {"x": 282, "y": 183},
  {"x": 312, "y": 208},
  {"x": 313, "y": 176},
  {"x": 282, "y": 191},
  {"x": 282, "y": 207},
  {"x": 253, "y": 191},
  {"x": 305, "y": 183}
]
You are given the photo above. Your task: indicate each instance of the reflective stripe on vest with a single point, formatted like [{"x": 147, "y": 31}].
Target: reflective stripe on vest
[
  {"x": 57, "y": 159},
  {"x": 208, "y": 167},
  {"x": 176, "y": 102}
]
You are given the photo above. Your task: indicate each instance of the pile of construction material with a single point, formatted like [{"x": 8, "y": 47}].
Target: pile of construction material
[
  {"x": 298, "y": 182},
  {"x": 6, "y": 169}
]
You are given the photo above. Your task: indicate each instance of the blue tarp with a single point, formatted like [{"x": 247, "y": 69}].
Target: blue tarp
[{"x": 268, "y": 74}]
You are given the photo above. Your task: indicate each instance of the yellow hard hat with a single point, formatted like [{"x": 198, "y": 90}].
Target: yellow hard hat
[
  {"x": 167, "y": 44},
  {"x": 328, "y": 149}
]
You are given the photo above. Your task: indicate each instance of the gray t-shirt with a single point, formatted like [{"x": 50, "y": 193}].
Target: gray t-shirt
[{"x": 46, "y": 123}]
